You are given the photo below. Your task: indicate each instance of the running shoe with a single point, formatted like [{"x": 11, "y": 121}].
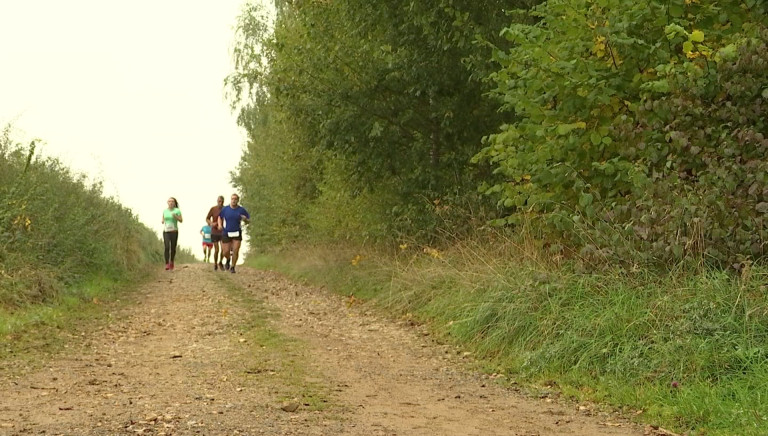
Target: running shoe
[
  {"x": 227, "y": 266},
  {"x": 167, "y": 266},
  {"x": 232, "y": 270},
  {"x": 215, "y": 266},
  {"x": 171, "y": 266}
]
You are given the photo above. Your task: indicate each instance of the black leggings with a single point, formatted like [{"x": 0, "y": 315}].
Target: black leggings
[{"x": 170, "y": 239}]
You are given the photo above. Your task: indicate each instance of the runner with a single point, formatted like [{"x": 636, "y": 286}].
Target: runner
[
  {"x": 207, "y": 243},
  {"x": 232, "y": 233},
  {"x": 171, "y": 219},
  {"x": 213, "y": 220}
]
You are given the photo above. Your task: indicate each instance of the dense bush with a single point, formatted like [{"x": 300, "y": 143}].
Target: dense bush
[
  {"x": 637, "y": 129},
  {"x": 705, "y": 145}
]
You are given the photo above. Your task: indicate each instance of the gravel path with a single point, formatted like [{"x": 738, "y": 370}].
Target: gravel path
[{"x": 183, "y": 360}]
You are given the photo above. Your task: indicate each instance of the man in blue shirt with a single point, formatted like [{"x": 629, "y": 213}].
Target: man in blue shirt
[{"x": 230, "y": 218}]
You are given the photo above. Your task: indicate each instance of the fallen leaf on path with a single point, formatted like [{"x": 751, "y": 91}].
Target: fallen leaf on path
[{"x": 653, "y": 430}]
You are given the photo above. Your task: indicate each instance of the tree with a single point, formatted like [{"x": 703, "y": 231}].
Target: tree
[{"x": 393, "y": 91}]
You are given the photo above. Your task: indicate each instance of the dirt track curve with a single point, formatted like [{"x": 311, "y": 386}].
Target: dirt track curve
[{"x": 177, "y": 363}]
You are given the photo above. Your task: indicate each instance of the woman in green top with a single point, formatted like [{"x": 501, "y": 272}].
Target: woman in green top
[{"x": 171, "y": 220}]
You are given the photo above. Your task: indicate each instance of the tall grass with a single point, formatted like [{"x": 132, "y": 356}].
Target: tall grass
[
  {"x": 58, "y": 232},
  {"x": 688, "y": 350}
]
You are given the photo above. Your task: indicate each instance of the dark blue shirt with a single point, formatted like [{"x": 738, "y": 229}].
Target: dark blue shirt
[{"x": 231, "y": 217}]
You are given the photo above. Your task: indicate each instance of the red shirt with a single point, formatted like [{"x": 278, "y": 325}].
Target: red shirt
[{"x": 213, "y": 215}]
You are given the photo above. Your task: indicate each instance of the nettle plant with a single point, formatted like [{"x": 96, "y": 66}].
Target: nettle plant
[{"x": 628, "y": 127}]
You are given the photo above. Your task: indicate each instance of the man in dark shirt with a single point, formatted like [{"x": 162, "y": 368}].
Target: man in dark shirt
[{"x": 213, "y": 220}]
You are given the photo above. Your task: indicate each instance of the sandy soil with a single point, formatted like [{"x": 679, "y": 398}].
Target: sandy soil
[{"x": 176, "y": 363}]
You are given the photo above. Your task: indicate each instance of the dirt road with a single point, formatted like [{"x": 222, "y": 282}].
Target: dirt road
[{"x": 211, "y": 353}]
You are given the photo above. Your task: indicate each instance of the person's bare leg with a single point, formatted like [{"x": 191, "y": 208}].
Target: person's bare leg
[
  {"x": 235, "y": 251},
  {"x": 216, "y": 252},
  {"x": 225, "y": 246}
]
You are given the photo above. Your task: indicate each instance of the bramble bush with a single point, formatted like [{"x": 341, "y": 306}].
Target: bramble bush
[{"x": 637, "y": 131}]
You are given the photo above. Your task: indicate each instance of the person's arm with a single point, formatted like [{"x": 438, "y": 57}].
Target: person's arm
[
  {"x": 178, "y": 217},
  {"x": 163, "y": 220},
  {"x": 245, "y": 216},
  {"x": 219, "y": 222}
]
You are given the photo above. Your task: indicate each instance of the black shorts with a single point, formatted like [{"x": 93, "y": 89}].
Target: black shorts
[
  {"x": 215, "y": 237},
  {"x": 232, "y": 236}
]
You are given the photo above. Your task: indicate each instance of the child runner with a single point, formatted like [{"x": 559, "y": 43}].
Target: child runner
[{"x": 207, "y": 242}]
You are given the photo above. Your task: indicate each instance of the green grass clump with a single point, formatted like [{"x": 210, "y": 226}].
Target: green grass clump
[
  {"x": 36, "y": 331},
  {"x": 687, "y": 350}
]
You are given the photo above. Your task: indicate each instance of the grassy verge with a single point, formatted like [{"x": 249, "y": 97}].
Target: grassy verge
[
  {"x": 33, "y": 332},
  {"x": 274, "y": 355},
  {"x": 688, "y": 351}
]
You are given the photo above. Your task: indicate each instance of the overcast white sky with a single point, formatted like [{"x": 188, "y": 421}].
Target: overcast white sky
[{"x": 129, "y": 93}]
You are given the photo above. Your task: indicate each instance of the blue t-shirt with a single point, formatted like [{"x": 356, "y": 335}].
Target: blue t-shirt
[
  {"x": 231, "y": 218},
  {"x": 206, "y": 230}
]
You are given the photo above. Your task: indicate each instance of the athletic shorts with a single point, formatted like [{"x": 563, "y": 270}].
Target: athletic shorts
[
  {"x": 207, "y": 244},
  {"x": 215, "y": 237},
  {"x": 231, "y": 236}
]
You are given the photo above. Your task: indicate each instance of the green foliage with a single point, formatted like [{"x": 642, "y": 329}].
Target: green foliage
[
  {"x": 362, "y": 119},
  {"x": 276, "y": 175},
  {"x": 57, "y": 231},
  {"x": 704, "y": 145},
  {"x": 390, "y": 94},
  {"x": 605, "y": 95}
]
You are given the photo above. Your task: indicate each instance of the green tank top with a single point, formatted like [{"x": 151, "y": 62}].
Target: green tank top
[{"x": 171, "y": 223}]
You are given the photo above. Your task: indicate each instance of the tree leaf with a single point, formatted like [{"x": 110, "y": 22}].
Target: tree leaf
[
  {"x": 564, "y": 129},
  {"x": 697, "y": 36},
  {"x": 585, "y": 199},
  {"x": 595, "y": 138}
]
